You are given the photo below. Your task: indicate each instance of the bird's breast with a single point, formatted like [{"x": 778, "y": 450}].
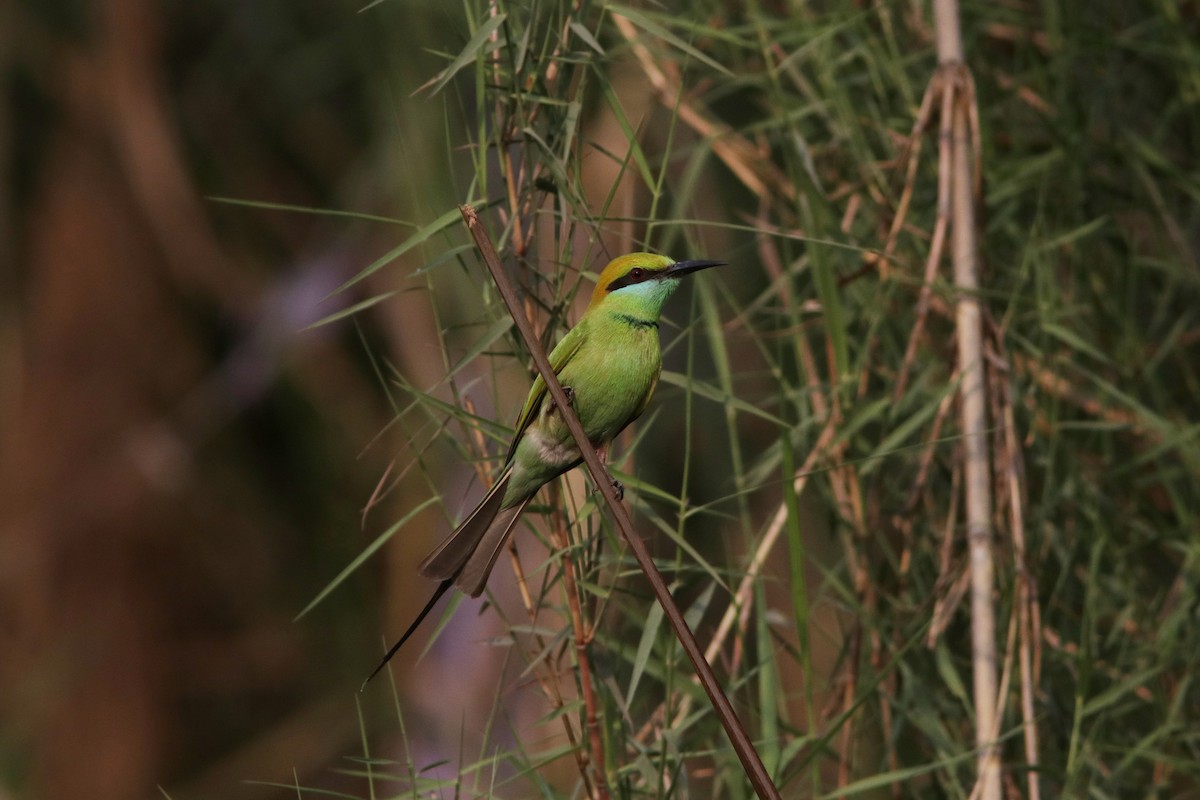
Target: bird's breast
[
  {"x": 552, "y": 448},
  {"x": 612, "y": 380}
]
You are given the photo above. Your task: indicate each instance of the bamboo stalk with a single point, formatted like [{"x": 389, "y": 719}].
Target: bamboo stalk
[{"x": 973, "y": 397}]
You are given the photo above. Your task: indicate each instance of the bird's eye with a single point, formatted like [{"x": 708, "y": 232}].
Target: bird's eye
[{"x": 636, "y": 273}]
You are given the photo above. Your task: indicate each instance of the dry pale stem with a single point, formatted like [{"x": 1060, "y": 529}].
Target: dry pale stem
[
  {"x": 912, "y": 160},
  {"x": 947, "y": 589},
  {"x": 973, "y": 418},
  {"x": 846, "y": 489},
  {"x": 939, "y": 90},
  {"x": 926, "y": 460},
  {"x": 963, "y": 152},
  {"x": 1054, "y": 382},
  {"x": 742, "y": 158},
  {"x": 1026, "y": 590}
]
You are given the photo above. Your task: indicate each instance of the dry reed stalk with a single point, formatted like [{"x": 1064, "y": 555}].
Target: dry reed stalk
[{"x": 959, "y": 100}]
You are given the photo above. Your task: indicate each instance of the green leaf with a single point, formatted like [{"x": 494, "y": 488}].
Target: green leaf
[
  {"x": 587, "y": 37},
  {"x": 710, "y": 392},
  {"x": 650, "y": 26},
  {"x": 362, "y": 557},
  {"x": 423, "y": 234},
  {"x": 354, "y": 309},
  {"x": 1073, "y": 236},
  {"x": 1075, "y": 341},
  {"x": 475, "y": 49},
  {"x": 630, "y": 134},
  {"x": 1124, "y": 688},
  {"x": 900, "y": 433},
  {"x": 295, "y": 209},
  {"x": 496, "y": 330},
  {"x": 645, "y": 646}
]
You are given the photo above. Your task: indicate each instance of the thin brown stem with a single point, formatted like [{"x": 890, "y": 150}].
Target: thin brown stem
[
  {"x": 938, "y": 243},
  {"x": 912, "y": 161},
  {"x": 751, "y": 762},
  {"x": 570, "y": 588},
  {"x": 741, "y": 597},
  {"x": 1026, "y": 593},
  {"x": 849, "y": 689}
]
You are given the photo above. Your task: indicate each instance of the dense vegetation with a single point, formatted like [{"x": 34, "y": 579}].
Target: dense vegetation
[{"x": 800, "y": 471}]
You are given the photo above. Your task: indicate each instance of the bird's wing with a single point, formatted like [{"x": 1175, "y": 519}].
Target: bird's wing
[
  {"x": 562, "y": 354},
  {"x": 649, "y": 394}
]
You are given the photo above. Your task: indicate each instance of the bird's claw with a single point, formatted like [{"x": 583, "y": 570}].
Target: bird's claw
[
  {"x": 570, "y": 393},
  {"x": 619, "y": 489}
]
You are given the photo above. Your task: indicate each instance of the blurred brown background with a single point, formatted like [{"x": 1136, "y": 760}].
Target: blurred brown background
[{"x": 181, "y": 464}]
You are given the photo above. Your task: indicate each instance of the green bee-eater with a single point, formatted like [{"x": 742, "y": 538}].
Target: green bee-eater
[{"x": 608, "y": 364}]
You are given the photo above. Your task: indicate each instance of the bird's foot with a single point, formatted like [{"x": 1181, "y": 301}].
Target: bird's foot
[
  {"x": 619, "y": 488},
  {"x": 570, "y": 393}
]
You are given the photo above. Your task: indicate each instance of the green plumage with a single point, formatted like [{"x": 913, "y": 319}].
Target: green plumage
[{"x": 610, "y": 361}]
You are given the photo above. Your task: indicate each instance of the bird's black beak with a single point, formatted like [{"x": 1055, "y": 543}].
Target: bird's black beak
[{"x": 681, "y": 268}]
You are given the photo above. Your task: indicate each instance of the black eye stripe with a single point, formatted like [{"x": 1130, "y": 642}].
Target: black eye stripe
[{"x": 635, "y": 275}]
